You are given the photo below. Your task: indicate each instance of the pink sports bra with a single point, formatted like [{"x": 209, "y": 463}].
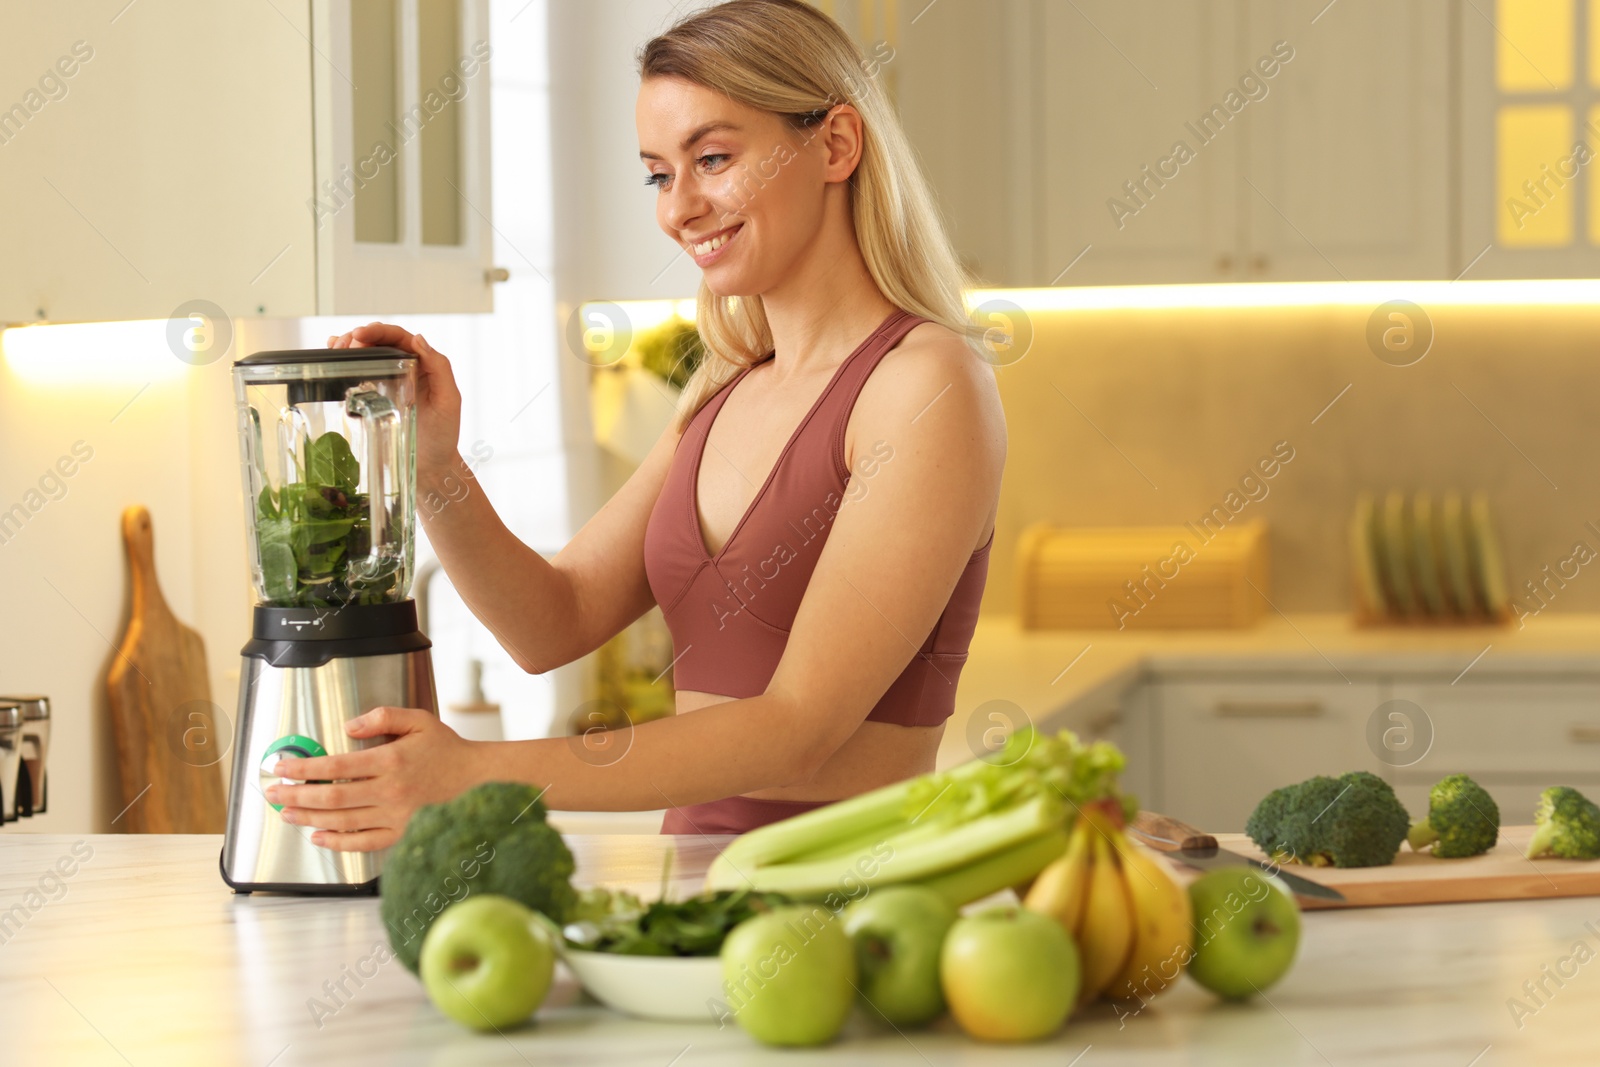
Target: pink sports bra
[{"x": 730, "y": 613}]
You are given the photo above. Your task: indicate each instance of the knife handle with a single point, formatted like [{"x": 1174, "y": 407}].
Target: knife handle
[{"x": 1168, "y": 834}]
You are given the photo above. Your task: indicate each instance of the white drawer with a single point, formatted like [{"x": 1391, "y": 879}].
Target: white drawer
[
  {"x": 1538, "y": 731},
  {"x": 1224, "y": 745}
]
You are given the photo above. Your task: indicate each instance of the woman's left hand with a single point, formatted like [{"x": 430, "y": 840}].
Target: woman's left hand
[{"x": 369, "y": 795}]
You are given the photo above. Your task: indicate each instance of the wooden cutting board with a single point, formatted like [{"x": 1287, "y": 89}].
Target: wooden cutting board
[
  {"x": 1503, "y": 873},
  {"x": 170, "y": 738}
]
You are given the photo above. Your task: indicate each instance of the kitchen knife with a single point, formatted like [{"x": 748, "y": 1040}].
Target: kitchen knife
[{"x": 1195, "y": 849}]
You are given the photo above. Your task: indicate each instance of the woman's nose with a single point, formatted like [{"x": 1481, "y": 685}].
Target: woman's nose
[{"x": 683, "y": 203}]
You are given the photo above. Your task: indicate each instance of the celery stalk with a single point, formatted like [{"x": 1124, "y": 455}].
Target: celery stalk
[
  {"x": 905, "y": 834},
  {"x": 970, "y": 831},
  {"x": 821, "y": 827},
  {"x": 866, "y": 817},
  {"x": 1001, "y": 870},
  {"x": 914, "y": 860}
]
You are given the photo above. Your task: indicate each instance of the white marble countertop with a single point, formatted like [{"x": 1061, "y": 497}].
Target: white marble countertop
[{"x": 142, "y": 956}]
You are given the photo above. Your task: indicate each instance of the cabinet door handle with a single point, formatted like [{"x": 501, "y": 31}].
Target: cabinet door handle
[
  {"x": 1585, "y": 733},
  {"x": 497, "y": 274},
  {"x": 1224, "y": 263},
  {"x": 1268, "y": 709}
]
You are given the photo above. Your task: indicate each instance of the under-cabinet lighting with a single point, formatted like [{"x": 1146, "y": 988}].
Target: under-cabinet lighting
[
  {"x": 92, "y": 353},
  {"x": 643, "y": 314},
  {"x": 1297, "y": 294}
]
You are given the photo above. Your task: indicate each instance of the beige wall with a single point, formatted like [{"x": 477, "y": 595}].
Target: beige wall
[{"x": 1194, "y": 397}]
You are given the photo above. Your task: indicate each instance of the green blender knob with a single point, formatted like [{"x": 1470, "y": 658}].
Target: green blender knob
[{"x": 294, "y": 746}]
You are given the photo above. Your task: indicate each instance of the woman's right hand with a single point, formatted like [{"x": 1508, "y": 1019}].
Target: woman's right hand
[{"x": 438, "y": 398}]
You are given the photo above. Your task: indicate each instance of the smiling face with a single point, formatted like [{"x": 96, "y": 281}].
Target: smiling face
[{"x": 741, "y": 190}]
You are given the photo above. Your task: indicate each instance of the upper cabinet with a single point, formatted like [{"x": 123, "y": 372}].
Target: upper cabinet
[
  {"x": 276, "y": 159},
  {"x": 1137, "y": 141},
  {"x": 1138, "y": 176},
  {"x": 1347, "y": 163},
  {"x": 1530, "y": 96}
]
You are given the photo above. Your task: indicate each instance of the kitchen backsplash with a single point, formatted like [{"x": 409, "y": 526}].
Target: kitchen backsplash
[{"x": 1155, "y": 416}]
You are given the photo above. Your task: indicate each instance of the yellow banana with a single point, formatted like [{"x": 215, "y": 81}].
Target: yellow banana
[
  {"x": 1105, "y": 934},
  {"x": 1163, "y": 935},
  {"x": 1059, "y": 889}
]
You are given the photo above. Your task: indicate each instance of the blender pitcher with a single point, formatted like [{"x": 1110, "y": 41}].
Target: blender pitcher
[{"x": 327, "y": 445}]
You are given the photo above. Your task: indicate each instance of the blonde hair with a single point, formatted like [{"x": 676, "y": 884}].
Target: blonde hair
[{"x": 788, "y": 58}]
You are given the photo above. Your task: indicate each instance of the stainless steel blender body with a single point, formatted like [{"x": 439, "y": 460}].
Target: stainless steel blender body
[
  {"x": 302, "y": 711},
  {"x": 10, "y": 759},
  {"x": 35, "y": 748}
]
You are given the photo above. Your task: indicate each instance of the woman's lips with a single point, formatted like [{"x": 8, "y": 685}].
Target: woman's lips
[{"x": 714, "y": 247}]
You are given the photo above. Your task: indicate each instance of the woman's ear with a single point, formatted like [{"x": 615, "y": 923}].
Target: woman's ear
[{"x": 841, "y": 134}]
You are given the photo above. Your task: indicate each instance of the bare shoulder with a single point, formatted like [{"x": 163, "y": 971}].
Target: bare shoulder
[{"x": 934, "y": 376}]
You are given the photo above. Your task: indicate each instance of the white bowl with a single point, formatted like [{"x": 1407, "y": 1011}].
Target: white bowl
[{"x": 672, "y": 988}]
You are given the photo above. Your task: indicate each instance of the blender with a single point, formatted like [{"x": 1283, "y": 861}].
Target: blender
[{"x": 327, "y": 443}]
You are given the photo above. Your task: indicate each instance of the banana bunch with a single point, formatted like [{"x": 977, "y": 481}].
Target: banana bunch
[{"x": 1129, "y": 917}]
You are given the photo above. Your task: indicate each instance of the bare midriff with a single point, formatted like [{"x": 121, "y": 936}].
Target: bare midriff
[{"x": 877, "y": 754}]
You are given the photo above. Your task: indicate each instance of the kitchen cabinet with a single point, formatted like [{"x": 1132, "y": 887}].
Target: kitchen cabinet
[
  {"x": 261, "y": 159},
  {"x": 1120, "y": 87},
  {"x": 1516, "y": 738},
  {"x": 1213, "y": 141},
  {"x": 1213, "y": 749},
  {"x": 1206, "y": 746},
  {"x": 1530, "y": 128},
  {"x": 1347, "y": 159}
]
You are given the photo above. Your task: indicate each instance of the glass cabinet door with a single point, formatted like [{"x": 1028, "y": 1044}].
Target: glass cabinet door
[
  {"x": 439, "y": 143},
  {"x": 1530, "y": 129},
  {"x": 403, "y": 164}
]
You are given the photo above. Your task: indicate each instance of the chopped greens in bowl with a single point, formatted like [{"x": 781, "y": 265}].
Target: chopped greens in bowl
[{"x": 618, "y": 922}]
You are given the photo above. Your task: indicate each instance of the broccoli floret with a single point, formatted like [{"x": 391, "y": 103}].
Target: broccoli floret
[
  {"x": 1463, "y": 820},
  {"x": 491, "y": 839},
  {"x": 1354, "y": 820},
  {"x": 1567, "y": 824},
  {"x": 1262, "y": 826}
]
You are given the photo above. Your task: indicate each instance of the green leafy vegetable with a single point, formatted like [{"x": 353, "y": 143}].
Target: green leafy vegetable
[
  {"x": 329, "y": 462},
  {"x": 619, "y": 923},
  {"x": 315, "y": 537}
]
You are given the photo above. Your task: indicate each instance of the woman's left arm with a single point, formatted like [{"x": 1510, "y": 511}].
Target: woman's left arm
[{"x": 928, "y": 444}]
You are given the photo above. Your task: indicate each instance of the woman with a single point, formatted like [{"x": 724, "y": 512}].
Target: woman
[{"x": 816, "y": 524}]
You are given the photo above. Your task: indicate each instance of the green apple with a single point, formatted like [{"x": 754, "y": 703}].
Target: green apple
[
  {"x": 790, "y": 975},
  {"x": 898, "y": 932},
  {"x": 1009, "y": 974},
  {"x": 487, "y": 962},
  {"x": 1247, "y": 928}
]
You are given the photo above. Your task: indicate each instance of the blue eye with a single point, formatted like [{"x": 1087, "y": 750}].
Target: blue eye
[{"x": 708, "y": 163}]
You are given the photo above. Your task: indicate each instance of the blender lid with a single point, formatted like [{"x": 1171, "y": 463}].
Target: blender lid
[
  {"x": 323, "y": 374},
  {"x": 321, "y": 355}
]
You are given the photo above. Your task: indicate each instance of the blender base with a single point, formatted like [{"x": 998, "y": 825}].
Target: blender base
[
  {"x": 244, "y": 889},
  {"x": 293, "y": 711}
]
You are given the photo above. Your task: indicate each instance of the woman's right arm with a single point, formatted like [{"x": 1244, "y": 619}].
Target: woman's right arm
[{"x": 545, "y": 613}]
